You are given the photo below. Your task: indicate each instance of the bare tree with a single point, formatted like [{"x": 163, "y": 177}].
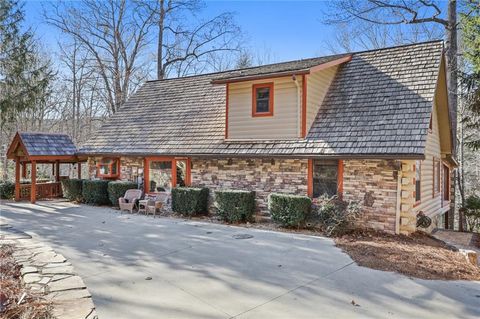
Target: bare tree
[
  {"x": 187, "y": 44},
  {"x": 115, "y": 34}
]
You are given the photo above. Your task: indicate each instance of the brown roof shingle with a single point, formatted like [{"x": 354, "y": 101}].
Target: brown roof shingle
[{"x": 379, "y": 104}]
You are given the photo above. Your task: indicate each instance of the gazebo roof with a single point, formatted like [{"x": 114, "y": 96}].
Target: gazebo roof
[{"x": 42, "y": 146}]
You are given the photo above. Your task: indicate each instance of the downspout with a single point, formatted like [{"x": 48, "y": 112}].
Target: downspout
[{"x": 299, "y": 101}]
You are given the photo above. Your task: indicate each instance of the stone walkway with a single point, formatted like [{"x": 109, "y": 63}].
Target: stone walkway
[{"x": 51, "y": 274}]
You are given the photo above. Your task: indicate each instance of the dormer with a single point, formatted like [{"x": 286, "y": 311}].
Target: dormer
[{"x": 277, "y": 102}]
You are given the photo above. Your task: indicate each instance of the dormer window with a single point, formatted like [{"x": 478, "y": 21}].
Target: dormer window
[{"x": 262, "y": 102}]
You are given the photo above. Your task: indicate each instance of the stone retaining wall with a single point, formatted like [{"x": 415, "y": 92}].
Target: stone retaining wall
[{"x": 50, "y": 274}]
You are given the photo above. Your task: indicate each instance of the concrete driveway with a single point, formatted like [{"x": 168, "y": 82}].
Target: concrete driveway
[{"x": 199, "y": 270}]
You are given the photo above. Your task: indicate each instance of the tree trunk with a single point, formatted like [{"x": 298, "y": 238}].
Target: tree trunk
[
  {"x": 452, "y": 78},
  {"x": 161, "y": 21}
]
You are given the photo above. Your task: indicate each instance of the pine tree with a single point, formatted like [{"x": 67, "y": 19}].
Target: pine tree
[{"x": 23, "y": 80}]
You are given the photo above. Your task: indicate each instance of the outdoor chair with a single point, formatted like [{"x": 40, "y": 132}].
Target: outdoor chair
[
  {"x": 155, "y": 203},
  {"x": 129, "y": 200}
]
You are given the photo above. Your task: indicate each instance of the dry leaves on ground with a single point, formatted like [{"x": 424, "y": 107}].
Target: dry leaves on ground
[{"x": 418, "y": 255}]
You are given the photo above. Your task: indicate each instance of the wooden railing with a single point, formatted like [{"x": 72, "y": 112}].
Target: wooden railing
[{"x": 44, "y": 190}]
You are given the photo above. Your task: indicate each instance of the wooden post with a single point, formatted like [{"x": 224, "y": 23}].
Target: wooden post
[
  {"x": 53, "y": 169},
  {"x": 57, "y": 171},
  {"x": 17, "y": 178},
  {"x": 79, "y": 170},
  {"x": 146, "y": 181},
  {"x": 33, "y": 189},
  {"x": 24, "y": 170}
]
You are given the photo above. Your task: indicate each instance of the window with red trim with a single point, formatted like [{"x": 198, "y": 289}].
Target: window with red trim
[
  {"x": 108, "y": 168},
  {"x": 262, "y": 99}
]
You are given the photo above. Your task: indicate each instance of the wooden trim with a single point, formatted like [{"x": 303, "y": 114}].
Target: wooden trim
[
  {"x": 188, "y": 177},
  {"x": 310, "y": 178},
  {"x": 57, "y": 171},
  {"x": 304, "y": 106},
  {"x": 115, "y": 161},
  {"x": 33, "y": 190},
  {"x": 79, "y": 170},
  {"x": 174, "y": 173},
  {"x": 53, "y": 157},
  {"x": 329, "y": 64},
  {"x": 146, "y": 175},
  {"x": 436, "y": 161},
  {"x": 226, "y": 109},
  {"x": 340, "y": 179},
  {"x": 415, "y": 183},
  {"x": 270, "y": 99},
  {"x": 17, "y": 179},
  {"x": 260, "y": 76}
]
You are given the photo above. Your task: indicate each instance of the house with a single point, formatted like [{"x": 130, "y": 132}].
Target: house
[{"x": 369, "y": 126}]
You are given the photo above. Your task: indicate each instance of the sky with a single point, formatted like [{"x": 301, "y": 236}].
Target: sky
[{"x": 289, "y": 30}]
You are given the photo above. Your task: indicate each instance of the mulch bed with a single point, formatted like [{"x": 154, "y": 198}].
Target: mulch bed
[
  {"x": 16, "y": 301},
  {"x": 418, "y": 255}
]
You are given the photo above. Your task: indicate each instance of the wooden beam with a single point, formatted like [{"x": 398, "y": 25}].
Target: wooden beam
[
  {"x": 33, "y": 189},
  {"x": 24, "y": 169},
  {"x": 79, "y": 170},
  {"x": 17, "y": 179},
  {"x": 146, "y": 186},
  {"x": 310, "y": 178},
  {"x": 57, "y": 171}
]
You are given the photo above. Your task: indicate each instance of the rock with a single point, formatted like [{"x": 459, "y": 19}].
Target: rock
[
  {"x": 31, "y": 278},
  {"x": 62, "y": 270},
  {"x": 69, "y": 294},
  {"x": 69, "y": 283},
  {"x": 44, "y": 280},
  {"x": 74, "y": 309},
  {"x": 28, "y": 270},
  {"x": 470, "y": 255}
]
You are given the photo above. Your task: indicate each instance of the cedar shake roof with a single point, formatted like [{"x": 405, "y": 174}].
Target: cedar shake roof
[
  {"x": 378, "y": 105},
  {"x": 47, "y": 144}
]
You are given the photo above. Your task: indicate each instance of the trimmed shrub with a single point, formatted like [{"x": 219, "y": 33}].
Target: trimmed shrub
[
  {"x": 289, "y": 210},
  {"x": 7, "y": 190},
  {"x": 235, "y": 206},
  {"x": 190, "y": 200},
  {"x": 72, "y": 189},
  {"x": 95, "y": 192},
  {"x": 117, "y": 189},
  {"x": 471, "y": 211}
]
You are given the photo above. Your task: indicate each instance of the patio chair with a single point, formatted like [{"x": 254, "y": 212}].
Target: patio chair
[
  {"x": 156, "y": 203},
  {"x": 129, "y": 200}
]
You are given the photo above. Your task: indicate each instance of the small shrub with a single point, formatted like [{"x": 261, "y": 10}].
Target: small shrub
[
  {"x": 190, "y": 200},
  {"x": 336, "y": 216},
  {"x": 235, "y": 206},
  {"x": 471, "y": 211},
  {"x": 289, "y": 210},
  {"x": 72, "y": 189},
  {"x": 117, "y": 189},
  {"x": 7, "y": 190},
  {"x": 95, "y": 192}
]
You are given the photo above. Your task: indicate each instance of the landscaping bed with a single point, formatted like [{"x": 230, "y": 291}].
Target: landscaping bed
[
  {"x": 16, "y": 300},
  {"x": 418, "y": 255}
]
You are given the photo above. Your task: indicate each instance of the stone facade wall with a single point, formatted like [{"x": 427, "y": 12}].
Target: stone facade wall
[
  {"x": 263, "y": 176},
  {"x": 373, "y": 183},
  {"x": 408, "y": 219}
]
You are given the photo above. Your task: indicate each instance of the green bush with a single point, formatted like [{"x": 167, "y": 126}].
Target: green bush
[
  {"x": 289, "y": 210},
  {"x": 471, "y": 210},
  {"x": 235, "y": 206},
  {"x": 336, "y": 216},
  {"x": 95, "y": 192},
  {"x": 7, "y": 190},
  {"x": 117, "y": 189},
  {"x": 190, "y": 200},
  {"x": 72, "y": 189}
]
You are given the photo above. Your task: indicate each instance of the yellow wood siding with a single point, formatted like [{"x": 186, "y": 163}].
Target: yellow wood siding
[
  {"x": 317, "y": 87},
  {"x": 284, "y": 124},
  {"x": 430, "y": 204}
]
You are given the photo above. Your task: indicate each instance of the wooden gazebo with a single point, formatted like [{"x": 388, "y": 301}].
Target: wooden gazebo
[{"x": 29, "y": 148}]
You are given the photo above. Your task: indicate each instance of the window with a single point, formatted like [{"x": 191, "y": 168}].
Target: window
[
  {"x": 418, "y": 177},
  {"x": 160, "y": 176},
  {"x": 325, "y": 177},
  {"x": 262, "y": 103},
  {"x": 108, "y": 168},
  {"x": 436, "y": 176}
]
